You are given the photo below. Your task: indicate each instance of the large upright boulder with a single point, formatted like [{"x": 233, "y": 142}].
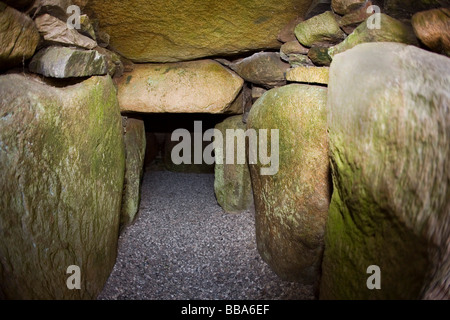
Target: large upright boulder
[
  {"x": 292, "y": 204},
  {"x": 390, "y": 155},
  {"x": 61, "y": 175},
  {"x": 169, "y": 31},
  {"x": 19, "y": 37},
  {"x": 203, "y": 86},
  {"x": 232, "y": 184}
]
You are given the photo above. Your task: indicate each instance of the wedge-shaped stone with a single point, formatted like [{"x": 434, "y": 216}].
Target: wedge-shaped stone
[
  {"x": 64, "y": 62},
  {"x": 56, "y": 31}
]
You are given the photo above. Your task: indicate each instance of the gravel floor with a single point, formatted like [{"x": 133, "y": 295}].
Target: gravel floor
[{"x": 183, "y": 246}]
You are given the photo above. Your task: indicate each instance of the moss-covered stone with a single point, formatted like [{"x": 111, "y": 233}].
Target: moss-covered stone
[
  {"x": 322, "y": 29},
  {"x": 298, "y": 60},
  {"x": 86, "y": 27},
  {"x": 114, "y": 64},
  {"x": 232, "y": 184},
  {"x": 390, "y": 161},
  {"x": 64, "y": 62},
  {"x": 391, "y": 30},
  {"x": 171, "y": 30},
  {"x": 319, "y": 56},
  {"x": 292, "y": 205},
  {"x": 135, "y": 146},
  {"x": 61, "y": 175}
]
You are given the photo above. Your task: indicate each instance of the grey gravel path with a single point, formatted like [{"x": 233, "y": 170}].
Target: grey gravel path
[{"x": 183, "y": 246}]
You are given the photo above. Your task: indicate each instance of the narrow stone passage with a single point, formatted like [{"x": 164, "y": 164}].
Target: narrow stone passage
[{"x": 184, "y": 246}]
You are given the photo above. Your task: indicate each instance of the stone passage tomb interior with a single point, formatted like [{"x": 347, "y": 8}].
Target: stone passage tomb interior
[{"x": 244, "y": 150}]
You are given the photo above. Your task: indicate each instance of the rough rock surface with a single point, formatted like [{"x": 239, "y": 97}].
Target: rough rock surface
[
  {"x": 308, "y": 74},
  {"x": 391, "y": 30},
  {"x": 232, "y": 184},
  {"x": 18, "y": 37},
  {"x": 433, "y": 29},
  {"x": 345, "y": 6},
  {"x": 262, "y": 68},
  {"x": 352, "y": 20},
  {"x": 292, "y": 47},
  {"x": 203, "y": 86},
  {"x": 319, "y": 30},
  {"x": 135, "y": 146},
  {"x": 257, "y": 92},
  {"x": 299, "y": 60},
  {"x": 54, "y": 30},
  {"x": 114, "y": 63},
  {"x": 390, "y": 153},
  {"x": 292, "y": 205},
  {"x": 287, "y": 33},
  {"x": 64, "y": 62},
  {"x": 55, "y": 8},
  {"x": 61, "y": 175},
  {"x": 86, "y": 27},
  {"x": 170, "y": 31},
  {"x": 319, "y": 56}
]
